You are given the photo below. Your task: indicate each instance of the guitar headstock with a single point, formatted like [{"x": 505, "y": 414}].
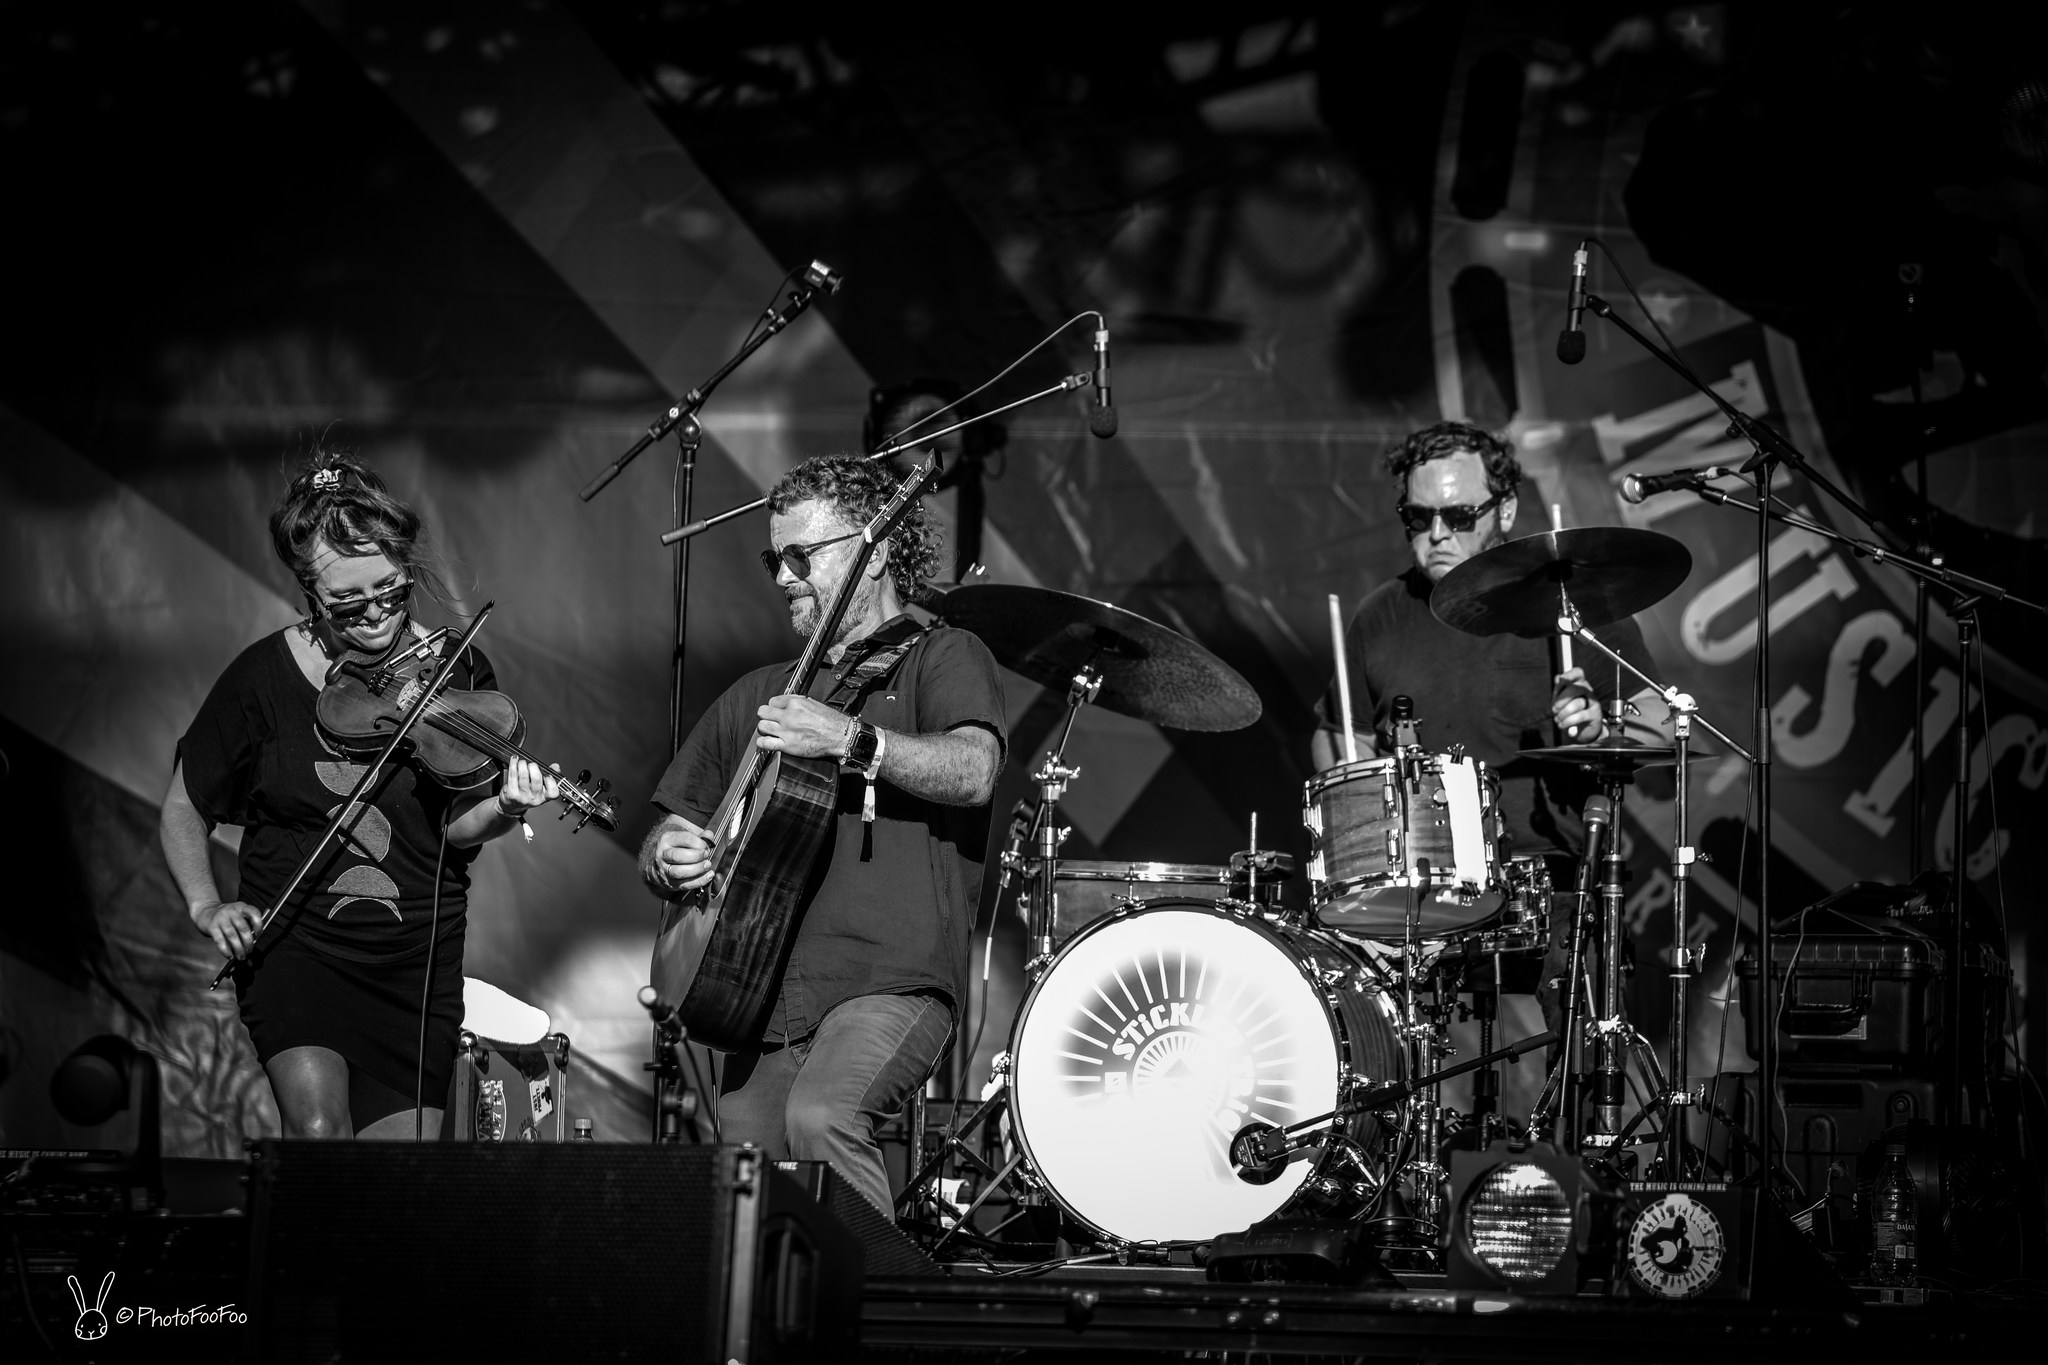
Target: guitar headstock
[
  {"x": 913, "y": 486},
  {"x": 593, "y": 800}
]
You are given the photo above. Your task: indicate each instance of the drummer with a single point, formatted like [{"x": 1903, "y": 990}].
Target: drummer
[{"x": 1493, "y": 694}]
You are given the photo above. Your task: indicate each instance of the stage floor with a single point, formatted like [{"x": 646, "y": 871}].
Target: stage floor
[{"x": 1148, "y": 1310}]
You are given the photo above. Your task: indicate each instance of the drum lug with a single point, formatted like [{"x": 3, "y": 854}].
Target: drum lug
[{"x": 1394, "y": 848}]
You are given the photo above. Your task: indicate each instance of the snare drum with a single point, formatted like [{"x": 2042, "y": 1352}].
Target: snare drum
[
  {"x": 1156, "y": 1035},
  {"x": 1416, "y": 834}
]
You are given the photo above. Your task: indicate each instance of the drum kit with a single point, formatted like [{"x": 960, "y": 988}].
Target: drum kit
[{"x": 1175, "y": 1012}]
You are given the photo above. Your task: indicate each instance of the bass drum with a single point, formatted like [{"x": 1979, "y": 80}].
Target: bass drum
[{"x": 1156, "y": 1034}]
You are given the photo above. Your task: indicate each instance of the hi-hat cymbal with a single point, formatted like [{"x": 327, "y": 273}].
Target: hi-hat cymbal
[
  {"x": 1148, "y": 670},
  {"x": 1611, "y": 573}
]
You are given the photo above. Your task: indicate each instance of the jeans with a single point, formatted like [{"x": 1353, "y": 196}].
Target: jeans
[{"x": 823, "y": 1097}]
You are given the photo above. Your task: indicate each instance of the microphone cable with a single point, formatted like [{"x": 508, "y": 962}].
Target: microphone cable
[{"x": 1043, "y": 342}]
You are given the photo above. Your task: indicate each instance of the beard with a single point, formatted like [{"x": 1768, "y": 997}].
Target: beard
[{"x": 807, "y": 608}]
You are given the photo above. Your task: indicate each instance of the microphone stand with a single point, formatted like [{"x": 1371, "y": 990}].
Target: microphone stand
[
  {"x": 1968, "y": 593},
  {"x": 681, "y": 418},
  {"x": 369, "y": 779},
  {"x": 1769, "y": 446},
  {"x": 893, "y": 448},
  {"x": 1772, "y": 446}
]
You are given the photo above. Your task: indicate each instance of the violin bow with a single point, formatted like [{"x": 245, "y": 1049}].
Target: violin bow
[{"x": 363, "y": 784}]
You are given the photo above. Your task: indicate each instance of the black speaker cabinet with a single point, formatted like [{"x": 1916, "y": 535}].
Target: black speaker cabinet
[{"x": 387, "y": 1251}]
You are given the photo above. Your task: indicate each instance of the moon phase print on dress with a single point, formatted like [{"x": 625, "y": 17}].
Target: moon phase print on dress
[
  {"x": 1155, "y": 1035},
  {"x": 366, "y": 834}
]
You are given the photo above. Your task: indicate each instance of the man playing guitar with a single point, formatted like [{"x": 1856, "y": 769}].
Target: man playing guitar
[{"x": 877, "y": 971}]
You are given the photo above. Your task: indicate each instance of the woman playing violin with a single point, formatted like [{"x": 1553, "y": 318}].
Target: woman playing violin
[{"x": 355, "y": 1000}]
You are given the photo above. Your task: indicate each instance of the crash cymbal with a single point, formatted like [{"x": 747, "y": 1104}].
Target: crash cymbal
[
  {"x": 1148, "y": 670},
  {"x": 1619, "y": 754},
  {"x": 1611, "y": 572}
]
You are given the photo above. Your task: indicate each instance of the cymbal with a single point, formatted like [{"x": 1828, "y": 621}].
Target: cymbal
[
  {"x": 1611, "y": 572},
  {"x": 1624, "y": 753},
  {"x": 1148, "y": 670}
]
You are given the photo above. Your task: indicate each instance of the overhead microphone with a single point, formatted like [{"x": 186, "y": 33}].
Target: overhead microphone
[
  {"x": 1102, "y": 419},
  {"x": 1571, "y": 342},
  {"x": 1636, "y": 487}
]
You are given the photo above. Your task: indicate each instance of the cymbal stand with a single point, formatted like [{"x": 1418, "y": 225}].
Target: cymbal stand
[
  {"x": 1607, "y": 1059},
  {"x": 1687, "y": 958},
  {"x": 1052, "y": 778}
]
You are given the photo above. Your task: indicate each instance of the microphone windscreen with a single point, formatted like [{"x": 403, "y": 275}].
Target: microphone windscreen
[
  {"x": 1571, "y": 347},
  {"x": 1102, "y": 421}
]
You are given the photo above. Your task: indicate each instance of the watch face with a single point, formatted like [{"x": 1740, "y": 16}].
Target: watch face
[{"x": 1676, "y": 1248}]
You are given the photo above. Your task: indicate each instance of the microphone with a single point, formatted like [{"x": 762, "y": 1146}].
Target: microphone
[
  {"x": 1636, "y": 487},
  {"x": 818, "y": 275},
  {"x": 1598, "y": 813},
  {"x": 1102, "y": 421},
  {"x": 1571, "y": 342}
]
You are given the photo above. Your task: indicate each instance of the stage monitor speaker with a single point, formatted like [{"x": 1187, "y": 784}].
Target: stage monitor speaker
[
  {"x": 387, "y": 1251},
  {"x": 885, "y": 1250}
]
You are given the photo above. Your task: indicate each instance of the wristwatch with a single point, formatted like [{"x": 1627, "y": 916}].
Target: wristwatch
[{"x": 860, "y": 753}]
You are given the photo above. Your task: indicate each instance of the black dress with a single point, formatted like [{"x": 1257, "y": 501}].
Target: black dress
[{"x": 347, "y": 972}]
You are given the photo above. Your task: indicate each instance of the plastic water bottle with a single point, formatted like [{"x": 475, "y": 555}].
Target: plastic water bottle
[{"x": 1894, "y": 1220}]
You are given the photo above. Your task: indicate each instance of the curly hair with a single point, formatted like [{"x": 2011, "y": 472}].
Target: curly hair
[
  {"x": 857, "y": 489},
  {"x": 1445, "y": 439},
  {"x": 336, "y": 498}
]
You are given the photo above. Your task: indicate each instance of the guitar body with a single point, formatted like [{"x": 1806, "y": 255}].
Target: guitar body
[{"x": 719, "y": 948}]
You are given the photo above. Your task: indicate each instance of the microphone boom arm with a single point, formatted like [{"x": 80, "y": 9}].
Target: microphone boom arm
[
  {"x": 1066, "y": 385},
  {"x": 817, "y": 277}
]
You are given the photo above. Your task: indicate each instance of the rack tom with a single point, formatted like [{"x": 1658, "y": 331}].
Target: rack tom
[{"x": 1412, "y": 837}]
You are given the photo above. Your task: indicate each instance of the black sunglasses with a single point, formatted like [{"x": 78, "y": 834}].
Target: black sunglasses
[
  {"x": 798, "y": 557},
  {"x": 1463, "y": 517},
  {"x": 390, "y": 600}
]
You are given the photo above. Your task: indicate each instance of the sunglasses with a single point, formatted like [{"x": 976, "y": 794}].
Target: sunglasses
[
  {"x": 1462, "y": 517},
  {"x": 798, "y": 557},
  {"x": 389, "y": 600}
]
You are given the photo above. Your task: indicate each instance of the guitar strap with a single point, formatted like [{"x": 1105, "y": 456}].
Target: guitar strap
[
  {"x": 868, "y": 662},
  {"x": 866, "y": 667}
]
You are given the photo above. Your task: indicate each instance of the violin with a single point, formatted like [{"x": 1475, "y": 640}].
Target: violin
[{"x": 463, "y": 738}]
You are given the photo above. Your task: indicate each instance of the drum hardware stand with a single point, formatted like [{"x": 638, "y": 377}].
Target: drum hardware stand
[
  {"x": 1686, "y": 958},
  {"x": 923, "y": 1184},
  {"x": 674, "y": 1102},
  {"x": 1259, "y": 1150},
  {"x": 1052, "y": 778}
]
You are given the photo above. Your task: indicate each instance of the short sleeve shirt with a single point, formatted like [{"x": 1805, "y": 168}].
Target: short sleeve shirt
[
  {"x": 895, "y": 900},
  {"x": 1488, "y": 693},
  {"x": 255, "y": 757}
]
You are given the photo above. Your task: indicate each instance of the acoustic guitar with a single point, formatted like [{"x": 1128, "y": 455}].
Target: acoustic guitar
[{"x": 718, "y": 948}]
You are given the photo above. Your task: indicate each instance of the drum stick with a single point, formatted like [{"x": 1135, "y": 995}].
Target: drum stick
[
  {"x": 1343, "y": 680},
  {"x": 1564, "y": 641}
]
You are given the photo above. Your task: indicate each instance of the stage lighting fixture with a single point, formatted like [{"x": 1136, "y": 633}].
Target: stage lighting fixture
[
  {"x": 105, "y": 1078},
  {"x": 1530, "y": 1219}
]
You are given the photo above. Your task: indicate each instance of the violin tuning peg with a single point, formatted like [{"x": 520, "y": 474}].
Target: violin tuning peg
[{"x": 583, "y": 777}]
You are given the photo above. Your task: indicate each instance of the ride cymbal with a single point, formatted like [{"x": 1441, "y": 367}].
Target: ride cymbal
[{"x": 1610, "y": 573}]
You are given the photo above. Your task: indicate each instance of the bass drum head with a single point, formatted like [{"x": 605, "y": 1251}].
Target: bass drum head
[{"x": 1150, "y": 1040}]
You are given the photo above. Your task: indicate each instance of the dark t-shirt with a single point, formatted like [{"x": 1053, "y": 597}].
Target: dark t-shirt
[
  {"x": 894, "y": 909},
  {"x": 1489, "y": 693},
  {"x": 255, "y": 757}
]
